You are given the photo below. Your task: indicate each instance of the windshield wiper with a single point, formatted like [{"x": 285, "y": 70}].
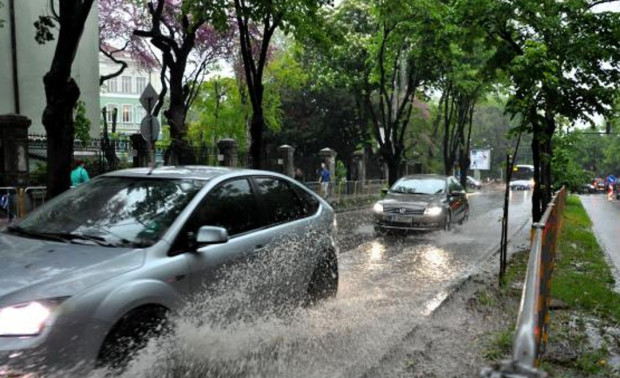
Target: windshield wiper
[
  {"x": 37, "y": 235},
  {"x": 74, "y": 237}
]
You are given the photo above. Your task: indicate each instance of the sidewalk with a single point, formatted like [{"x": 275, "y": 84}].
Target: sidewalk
[{"x": 605, "y": 217}]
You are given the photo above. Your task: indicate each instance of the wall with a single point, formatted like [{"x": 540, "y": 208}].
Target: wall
[{"x": 34, "y": 60}]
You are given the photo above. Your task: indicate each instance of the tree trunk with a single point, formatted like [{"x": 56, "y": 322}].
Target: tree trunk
[
  {"x": 256, "y": 132},
  {"x": 62, "y": 94},
  {"x": 537, "y": 199},
  {"x": 180, "y": 151}
]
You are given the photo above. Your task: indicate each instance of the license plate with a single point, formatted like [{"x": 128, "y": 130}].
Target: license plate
[{"x": 400, "y": 218}]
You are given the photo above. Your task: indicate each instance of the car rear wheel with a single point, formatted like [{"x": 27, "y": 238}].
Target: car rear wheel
[
  {"x": 324, "y": 281},
  {"x": 130, "y": 335},
  {"x": 465, "y": 216}
]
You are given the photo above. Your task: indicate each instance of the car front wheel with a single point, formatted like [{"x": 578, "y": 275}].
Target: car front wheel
[{"x": 324, "y": 281}]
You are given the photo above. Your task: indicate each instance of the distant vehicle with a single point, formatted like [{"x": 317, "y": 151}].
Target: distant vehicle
[
  {"x": 87, "y": 276},
  {"x": 473, "y": 183},
  {"x": 599, "y": 184},
  {"x": 522, "y": 177},
  {"x": 422, "y": 202}
]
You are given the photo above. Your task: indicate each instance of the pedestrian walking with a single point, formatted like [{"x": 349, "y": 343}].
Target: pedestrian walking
[
  {"x": 324, "y": 179},
  {"x": 79, "y": 175},
  {"x": 299, "y": 175},
  {"x": 6, "y": 205}
]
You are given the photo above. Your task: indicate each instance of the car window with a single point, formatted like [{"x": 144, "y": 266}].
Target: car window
[
  {"x": 230, "y": 205},
  {"x": 120, "y": 211},
  {"x": 281, "y": 202},
  {"x": 427, "y": 185},
  {"x": 309, "y": 202},
  {"x": 455, "y": 186}
]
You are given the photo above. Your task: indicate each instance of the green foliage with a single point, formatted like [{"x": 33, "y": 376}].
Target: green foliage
[
  {"x": 341, "y": 172},
  {"x": 1, "y": 20},
  {"x": 564, "y": 166},
  {"x": 44, "y": 27},
  {"x": 219, "y": 113},
  {"x": 81, "y": 123}
]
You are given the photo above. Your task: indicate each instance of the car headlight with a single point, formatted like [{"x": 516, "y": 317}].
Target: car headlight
[
  {"x": 433, "y": 210},
  {"x": 25, "y": 319},
  {"x": 378, "y": 208}
]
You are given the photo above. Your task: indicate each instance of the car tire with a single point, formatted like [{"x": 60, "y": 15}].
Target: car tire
[
  {"x": 465, "y": 216},
  {"x": 447, "y": 222},
  {"x": 129, "y": 335},
  {"x": 324, "y": 281}
]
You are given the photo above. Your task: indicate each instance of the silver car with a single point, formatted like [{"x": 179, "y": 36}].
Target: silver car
[{"x": 107, "y": 262}]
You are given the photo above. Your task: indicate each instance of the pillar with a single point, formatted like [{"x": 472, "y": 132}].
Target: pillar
[
  {"x": 228, "y": 150},
  {"x": 14, "y": 149},
  {"x": 286, "y": 157},
  {"x": 359, "y": 159}
]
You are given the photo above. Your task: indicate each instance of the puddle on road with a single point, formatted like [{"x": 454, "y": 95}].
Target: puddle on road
[{"x": 386, "y": 289}]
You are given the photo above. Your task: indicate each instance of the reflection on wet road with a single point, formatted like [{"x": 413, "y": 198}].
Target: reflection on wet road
[{"x": 387, "y": 288}]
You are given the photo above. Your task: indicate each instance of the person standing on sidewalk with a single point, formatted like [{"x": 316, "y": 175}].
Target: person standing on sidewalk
[
  {"x": 79, "y": 175},
  {"x": 324, "y": 178}
]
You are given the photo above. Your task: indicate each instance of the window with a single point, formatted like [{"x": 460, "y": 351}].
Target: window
[
  {"x": 281, "y": 203},
  {"x": 127, "y": 113},
  {"x": 110, "y": 112},
  {"x": 231, "y": 206},
  {"x": 140, "y": 84},
  {"x": 113, "y": 85},
  {"x": 455, "y": 186},
  {"x": 309, "y": 203},
  {"x": 126, "y": 82}
]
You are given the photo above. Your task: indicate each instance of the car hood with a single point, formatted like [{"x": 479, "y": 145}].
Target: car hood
[
  {"x": 412, "y": 201},
  {"x": 35, "y": 269}
]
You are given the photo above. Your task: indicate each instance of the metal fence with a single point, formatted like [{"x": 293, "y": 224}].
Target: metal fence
[
  {"x": 349, "y": 189},
  {"x": 533, "y": 319}
]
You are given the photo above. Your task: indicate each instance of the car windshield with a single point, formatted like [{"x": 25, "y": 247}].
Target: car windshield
[
  {"x": 112, "y": 211},
  {"x": 419, "y": 186}
]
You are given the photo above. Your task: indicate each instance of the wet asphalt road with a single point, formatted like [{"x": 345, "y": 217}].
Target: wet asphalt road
[
  {"x": 605, "y": 217},
  {"x": 388, "y": 287}
]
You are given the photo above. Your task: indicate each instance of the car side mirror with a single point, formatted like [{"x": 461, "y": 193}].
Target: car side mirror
[{"x": 208, "y": 235}]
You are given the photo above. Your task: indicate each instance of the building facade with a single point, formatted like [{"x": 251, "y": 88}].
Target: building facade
[
  {"x": 123, "y": 93},
  {"x": 33, "y": 61}
]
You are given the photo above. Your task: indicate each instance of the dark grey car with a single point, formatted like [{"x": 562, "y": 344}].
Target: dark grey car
[
  {"x": 420, "y": 203},
  {"x": 106, "y": 262}
]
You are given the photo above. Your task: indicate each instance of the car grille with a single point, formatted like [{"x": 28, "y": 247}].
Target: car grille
[{"x": 403, "y": 211}]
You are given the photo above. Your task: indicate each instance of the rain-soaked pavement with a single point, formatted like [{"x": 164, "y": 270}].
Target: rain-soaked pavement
[
  {"x": 388, "y": 286},
  {"x": 605, "y": 217}
]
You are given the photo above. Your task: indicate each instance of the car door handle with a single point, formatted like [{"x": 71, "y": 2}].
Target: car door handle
[{"x": 259, "y": 247}]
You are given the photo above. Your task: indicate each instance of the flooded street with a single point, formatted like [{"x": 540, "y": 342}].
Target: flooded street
[{"x": 388, "y": 287}]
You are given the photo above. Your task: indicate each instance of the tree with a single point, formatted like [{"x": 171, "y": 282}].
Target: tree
[
  {"x": 257, "y": 21},
  {"x": 186, "y": 33},
  {"x": 562, "y": 59},
  {"x": 61, "y": 90},
  {"x": 117, "y": 21}
]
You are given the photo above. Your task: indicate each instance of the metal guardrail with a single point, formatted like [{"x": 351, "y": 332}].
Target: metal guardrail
[{"x": 533, "y": 318}]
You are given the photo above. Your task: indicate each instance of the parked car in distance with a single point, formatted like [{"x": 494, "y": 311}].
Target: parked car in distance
[
  {"x": 472, "y": 183},
  {"x": 421, "y": 202},
  {"x": 599, "y": 183},
  {"x": 106, "y": 262}
]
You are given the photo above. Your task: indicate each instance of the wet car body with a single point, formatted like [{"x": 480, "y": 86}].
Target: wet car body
[
  {"x": 422, "y": 203},
  {"x": 472, "y": 183},
  {"x": 142, "y": 243}
]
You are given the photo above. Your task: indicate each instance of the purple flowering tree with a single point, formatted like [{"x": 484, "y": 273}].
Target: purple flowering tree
[{"x": 188, "y": 38}]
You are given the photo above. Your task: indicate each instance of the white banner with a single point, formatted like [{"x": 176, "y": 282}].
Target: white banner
[{"x": 480, "y": 159}]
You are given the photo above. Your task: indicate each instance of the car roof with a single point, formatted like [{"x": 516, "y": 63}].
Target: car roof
[
  {"x": 196, "y": 172},
  {"x": 425, "y": 176}
]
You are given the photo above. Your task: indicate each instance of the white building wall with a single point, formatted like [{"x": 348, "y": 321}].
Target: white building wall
[{"x": 34, "y": 60}]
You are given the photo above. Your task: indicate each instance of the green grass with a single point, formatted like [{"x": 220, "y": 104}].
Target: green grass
[
  {"x": 582, "y": 280},
  {"x": 499, "y": 346}
]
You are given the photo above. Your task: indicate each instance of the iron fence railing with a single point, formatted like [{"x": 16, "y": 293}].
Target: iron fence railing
[
  {"x": 348, "y": 189},
  {"x": 531, "y": 333}
]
